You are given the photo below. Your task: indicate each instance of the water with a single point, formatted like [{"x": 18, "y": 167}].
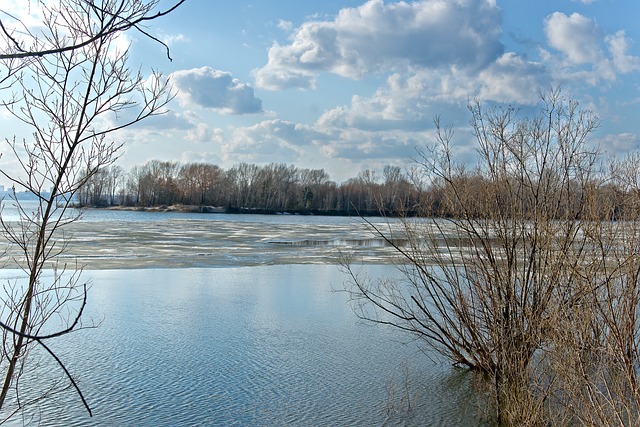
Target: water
[
  {"x": 105, "y": 239},
  {"x": 258, "y": 338}
]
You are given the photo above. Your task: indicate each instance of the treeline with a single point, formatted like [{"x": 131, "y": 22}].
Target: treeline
[
  {"x": 245, "y": 187},
  {"x": 278, "y": 187}
]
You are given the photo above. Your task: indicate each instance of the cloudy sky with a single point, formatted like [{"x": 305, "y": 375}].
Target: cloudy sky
[{"x": 351, "y": 85}]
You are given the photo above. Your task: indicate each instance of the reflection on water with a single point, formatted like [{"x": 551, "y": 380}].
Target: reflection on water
[{"x": 253, "y": 346}]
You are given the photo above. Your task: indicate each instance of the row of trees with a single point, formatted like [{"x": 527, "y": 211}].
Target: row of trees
[
  {"x": 271, "y": 188},
  {"x": 280, "y": 187}
]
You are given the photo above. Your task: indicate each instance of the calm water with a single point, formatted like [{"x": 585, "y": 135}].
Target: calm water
[{"x": 254, "y": 345}]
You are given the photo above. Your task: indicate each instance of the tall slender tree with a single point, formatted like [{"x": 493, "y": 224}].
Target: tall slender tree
[{"x": 71, "y": 87}]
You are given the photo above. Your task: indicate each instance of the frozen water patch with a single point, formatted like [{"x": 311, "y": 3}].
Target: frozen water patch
[
  {"x": 180, "y": 243},
  {"x": 376, "y": 242}
]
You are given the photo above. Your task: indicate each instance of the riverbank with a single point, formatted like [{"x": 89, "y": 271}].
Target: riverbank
[
  {"x": 247, "y": 211},
  {"x": 163, "y": 208}
]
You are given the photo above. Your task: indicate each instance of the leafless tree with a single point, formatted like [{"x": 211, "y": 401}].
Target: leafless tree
[
  {"x": 21, "y": 44},
  {"x": 490, "y": 287},
  {"x": 73, "y": 90},
  {"x": 158, "y": 183},
  {"x": 244, "y": 176},
  {"x": 103, "y": 188},
  {"x": 200, "y": 184},
  {"x": 596, "y": 344}
]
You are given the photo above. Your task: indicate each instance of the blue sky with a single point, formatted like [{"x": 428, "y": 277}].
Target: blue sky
[{"x": 353, "y": 85}]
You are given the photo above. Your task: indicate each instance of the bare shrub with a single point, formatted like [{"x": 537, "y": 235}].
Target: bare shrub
[{"x": 530, "y": 275}]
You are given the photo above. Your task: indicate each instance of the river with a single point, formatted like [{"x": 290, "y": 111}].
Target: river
[{"x": 213, "y": 319}]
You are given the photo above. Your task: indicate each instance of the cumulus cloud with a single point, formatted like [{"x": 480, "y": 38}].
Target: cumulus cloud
[
  {"x": 433, "y": 69},
  {"x": 402, "y": 103},
  {"x": 276, "y": 140},
  {"x": 286, "y": 142},
  {"x": 202, "y": 132},
  {"x": 513, "y": 79},
  {"x": 380, "y": 37},
  {"x": 385, "y": 145},
  {"x": 582, "y": 43},
  {"x": 576, "y": 36},
  {"x": 283, "y": 142},
  {"x": 618, "y": 46},
  {"x": 216, "y": 90},
  {"x": 410, "y": 102}
]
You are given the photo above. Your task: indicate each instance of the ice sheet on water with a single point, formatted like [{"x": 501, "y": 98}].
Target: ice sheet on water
[
  {"x": 221, "y": 242},
  {"x": 377, "y": 242}
]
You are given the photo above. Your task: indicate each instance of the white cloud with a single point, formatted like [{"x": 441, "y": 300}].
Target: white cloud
[
  {"x": 410, "y": 102},
  {"x": 172, "y": 39},
  {"x": 171, "y": 120},
  {"x": 586, "y": 53},
  {"x": 274, "y": 140},
  {"x": 24, "y": 20},
  {"x": 286, "y": 142},
  {"x": 512, "y": 79},
  {"x": 576, "y": 36},
  {"x": 281, "y": 77},
  {"x": 214, "y": 89},
  {"x": 202, "y": 132},
  {"x": 402, "y": 103},
  {"x": 186, "y": 126},
  {"x": 378, "y": 37},
  {"x": 285, "y": 25},
  {"x": 27, "y": 12},
  {"x": 200, "y": 157},
  {"x": 119, "y": 45},
  {"x": 618, "y": 46},
  {"x": 620, "y": 144},
  {"x": 355, "y": 144}
]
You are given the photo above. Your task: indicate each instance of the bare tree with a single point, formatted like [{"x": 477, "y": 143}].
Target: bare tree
[
  {"x": 115, "y": 184},
  {"x": 201, "y": 184},
  {"x": 313, "y": 185},
  {"x": 488, "y": 287},
  {"x": 20, "y": 43},
  {"x": 597, "y": 339},
  {"x": 73, "y": 91},
  {"x": 102, "y": 188},
  {"x": 244, "y": 176}
]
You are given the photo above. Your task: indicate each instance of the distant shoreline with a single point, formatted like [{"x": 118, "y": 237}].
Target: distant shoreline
[
  {"x": 162, "y": 208},
  {"x": 242, "y": 211}
]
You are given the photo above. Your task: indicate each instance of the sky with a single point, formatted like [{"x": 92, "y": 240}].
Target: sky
[{"x": 346, "y": 86}]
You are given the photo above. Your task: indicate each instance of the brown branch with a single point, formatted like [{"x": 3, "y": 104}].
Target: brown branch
[{"x": 102, "y": 33}]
